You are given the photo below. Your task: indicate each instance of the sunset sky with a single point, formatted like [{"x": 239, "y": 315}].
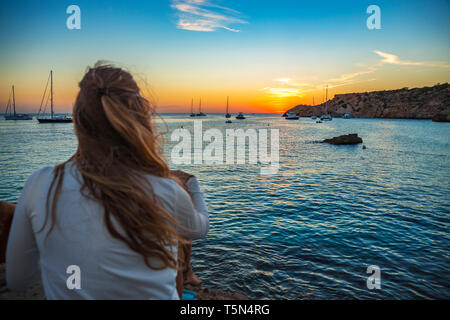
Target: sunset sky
[{"x": 266, "y": 55}]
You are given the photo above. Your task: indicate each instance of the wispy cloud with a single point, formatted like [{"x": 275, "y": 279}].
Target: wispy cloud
[
  {"x": 284, "y": 80},
  {"x": 345, "y": 78},
  {"x": 284, "y": 92},
  {"x": 389, "y": 58},
  {"x": 287, "y": 87},
  {"x": 204, "y": 15}
]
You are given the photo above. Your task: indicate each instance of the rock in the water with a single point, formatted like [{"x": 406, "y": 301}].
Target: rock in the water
[
  {"x": 345, "y": 139},
  {"x": 441, "y": 117}
]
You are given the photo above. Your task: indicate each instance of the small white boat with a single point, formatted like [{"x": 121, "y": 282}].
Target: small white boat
[
  {"x": 292, "y": 116},
  {"x": 240, "y": 116},
  {"x": 346, "y": 116},
  {"x": 314, "y": 117}
]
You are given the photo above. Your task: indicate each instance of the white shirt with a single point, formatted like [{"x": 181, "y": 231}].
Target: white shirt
[{"x": 109, "y": 268}]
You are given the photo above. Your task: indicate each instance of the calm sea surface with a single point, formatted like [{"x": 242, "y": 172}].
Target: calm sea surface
[{"x": 310, "y": 231}]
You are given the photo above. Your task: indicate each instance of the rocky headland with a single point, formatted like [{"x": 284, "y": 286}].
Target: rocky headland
[{"x": 418, "y": 103}]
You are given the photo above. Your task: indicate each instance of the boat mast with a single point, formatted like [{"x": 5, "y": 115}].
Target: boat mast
[
  {"x": 51, "y": 88},
  {"x": 228, "y": 99},
  {"x": 14, "y": 101},
  {"x": 192, "y": 106},
  {"x": 326, "y": 102},
  {"x": 200, "y": 106}
]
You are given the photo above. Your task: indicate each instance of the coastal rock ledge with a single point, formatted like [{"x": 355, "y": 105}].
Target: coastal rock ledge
[
  {"x": 417, "y": 103},
  {"x": 348, "y": 139},
  {"x": 441, "y": 117}
]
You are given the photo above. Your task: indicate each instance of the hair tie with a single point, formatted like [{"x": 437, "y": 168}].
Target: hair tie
[{"x": 103, "y": 91}]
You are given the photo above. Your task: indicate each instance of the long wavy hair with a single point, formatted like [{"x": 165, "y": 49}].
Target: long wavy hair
[{"x": 117, "y": 147}]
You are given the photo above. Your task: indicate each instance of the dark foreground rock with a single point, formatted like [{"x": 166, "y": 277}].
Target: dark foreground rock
[
  {"x": 348, "y": 139},
  {"x": 441, "y": 117},
  {"x": 208, "y": 294},
  {"x": 6, "y": 215},
  {"x": 36, "y": 292}
]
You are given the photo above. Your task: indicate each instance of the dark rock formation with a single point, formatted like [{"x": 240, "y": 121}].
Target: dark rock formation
[
  {"x": 35, "y": 292},
  {"x": 441, "y": 117},
  {"x": 417, "y": 103},
  {"x": 345, "y": 139},
  {"x": 6, "y": 215},
  {"x": 208, "y": 294}
]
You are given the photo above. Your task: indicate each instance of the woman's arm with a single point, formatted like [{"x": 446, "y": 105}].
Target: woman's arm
[
  {"x": 22, "y": 255},
  {"x": 191, "y": 211}
]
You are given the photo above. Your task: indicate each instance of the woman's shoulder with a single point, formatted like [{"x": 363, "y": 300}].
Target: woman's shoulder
[
  {"x": 42, "y": 177},
  {"x": 165, "y": 183},
  {"x": 40, "y": 174},
  {"x": 35, "y": 185}
]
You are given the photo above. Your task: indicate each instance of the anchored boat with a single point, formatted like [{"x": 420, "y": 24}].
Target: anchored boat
[
  {"x": 240, "y": 116},
  {"x": 292, "y": 116},
  {"x": 11, "y": 108},
  {"x": 53, "y": 118},
  {"x": 228, "y": 115},
  {"x": 326, "y": 116},
  {"x": 192, "y": 108},
  {"x": 200, "y": 113}
]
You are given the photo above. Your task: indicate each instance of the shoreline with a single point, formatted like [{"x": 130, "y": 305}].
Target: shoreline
[
  {"x": 427, "y": 103},
  {"x": 372, "y": 118}
]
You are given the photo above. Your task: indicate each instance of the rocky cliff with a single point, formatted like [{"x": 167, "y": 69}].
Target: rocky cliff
[{"x": 417, "y": 103}]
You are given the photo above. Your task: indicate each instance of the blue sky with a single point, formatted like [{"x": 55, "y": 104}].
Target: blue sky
[{"x": 208, "y": 48}]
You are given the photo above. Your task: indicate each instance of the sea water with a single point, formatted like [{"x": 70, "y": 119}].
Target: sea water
[{"x": 311, "y": 230}]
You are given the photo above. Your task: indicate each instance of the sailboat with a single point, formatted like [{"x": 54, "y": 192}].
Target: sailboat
[
  {"x": 53, "y": 118},
  {"x": 192, "y": 108},
  {"x": 292, "y": 116},
  {"x": 12, "y": 110},
  {"x": 240, "y": 116},
  {"x": 326, "y": 116},
  {"x": 200, "y": 113},
  {"x": 314, "y": 117},
  {"x": 228, "y": 115}
]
